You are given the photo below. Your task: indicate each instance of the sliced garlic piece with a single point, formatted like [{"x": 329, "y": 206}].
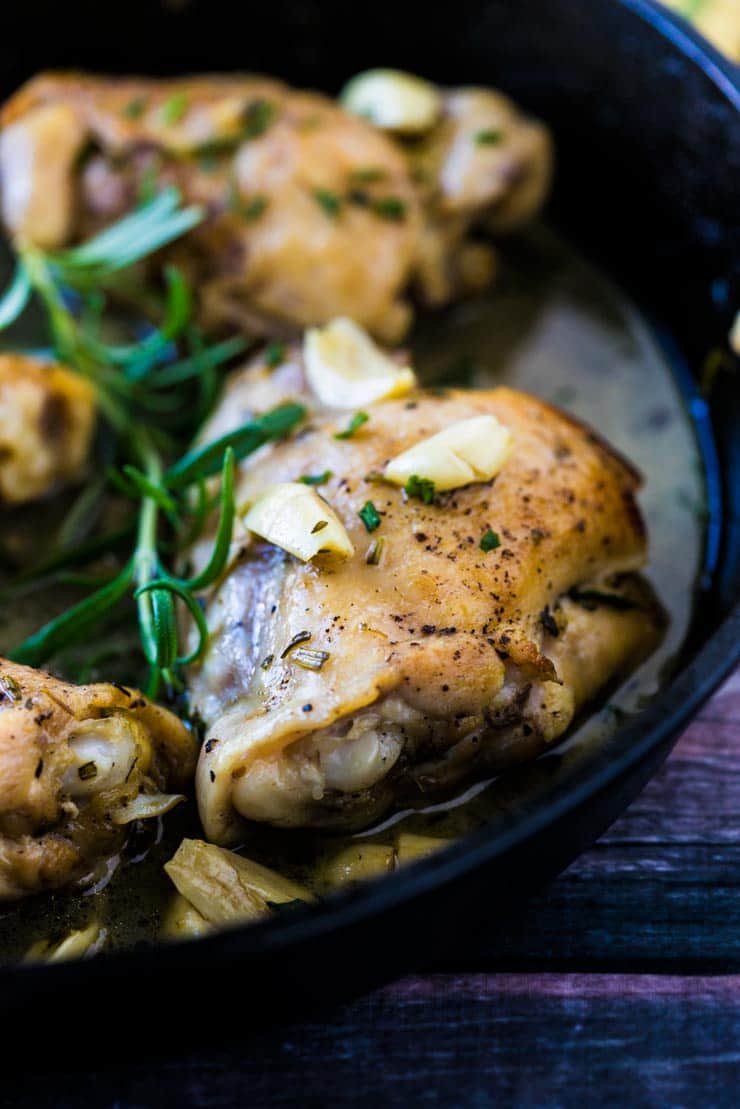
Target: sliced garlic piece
[
  {"x": 346, "y": 369},
  {"x": 410, "y": 847},
  {"x": 293, "y": 516},
  {"x": 393, "y": 100},
  {"x": 467, "y": 451}
]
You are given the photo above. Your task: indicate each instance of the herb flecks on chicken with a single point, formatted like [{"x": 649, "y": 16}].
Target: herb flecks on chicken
[{"x": 312, "y": 213}]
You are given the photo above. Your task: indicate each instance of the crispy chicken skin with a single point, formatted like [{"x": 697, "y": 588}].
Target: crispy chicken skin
[
  {"x": 73, "y": 760},
  {"x": 312, "y": 212},
  {"x": 47, "y": 417},
  {"x": 445, "y": 661}
]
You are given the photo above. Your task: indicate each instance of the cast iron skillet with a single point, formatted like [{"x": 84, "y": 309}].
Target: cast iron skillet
[{"x": 648, "y": 132}]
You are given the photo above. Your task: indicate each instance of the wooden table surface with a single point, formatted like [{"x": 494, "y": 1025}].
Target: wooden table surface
[{"x": 619, "y": 986}]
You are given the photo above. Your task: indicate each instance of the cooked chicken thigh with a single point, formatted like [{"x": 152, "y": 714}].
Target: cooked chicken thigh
[
  {"x": 47, "y": 416},
  {"x": 311, "y": 212},
  {"x": 332, "y": 689},
  {"x": 77, "y": 764}
]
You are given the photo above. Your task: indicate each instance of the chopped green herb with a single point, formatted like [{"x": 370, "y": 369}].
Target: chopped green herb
[
  {"x": 87, "y": 772},
  {"x": 356, "y": 422},
  {"x": 489, "y": 138},
  {"x": 254, "y": 208},
  {"x": 367, "y": 175},
  {"x": 147, "y": 189},
  {"x": 389, "y": 207},
  {"x": 9, "y": 688},
  {"x": 329, "y": 201},
  {"x": 319, "y": 526},
  {"x": 274, "y": 355},
  {"x": 257, "y": 118},
  {"x": 375, "y": 552},
  {"x": 369, "y": 516},
  {"x": 135, "y": 108},
  {"x": 301, "y": 637},
  {"x": 267, "y": 662},
  {"x": 489, "y": 541},
  {"x": 174, "y": 109},
  {"x": 359, "y": 197},
  {"x": 316, "y": 479},
  {"x": 420, "y": 487},
  {"x": 309, "y": 658}
]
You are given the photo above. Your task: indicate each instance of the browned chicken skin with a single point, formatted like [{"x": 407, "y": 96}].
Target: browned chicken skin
[
  {"x": 444, "y": 660},
  {"x": 47, "y": 416},
  {"x": 312, "y": 212},
  {"x": 77, "y": 763}
]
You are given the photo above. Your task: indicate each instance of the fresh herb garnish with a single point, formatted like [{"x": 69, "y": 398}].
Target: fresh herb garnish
[
  {"x": 489, "y": 541},
  {"x": 309, "y": 659},
  {"x": 274, "y": 355},
  {"x": 316, "y": 479},
  {"x": 375, "y": 551},
  {"x": 420, "y": 487},
  {"x": 489, "y": 138},
  {"x": 146, "y": 400},
  {"x": 369, "y": 516},
  {"x": 258, "y": 115},
  {"x": 174, "y": 109},
  {"x": 389, "y": 207},
  {"x": 367, "y": 175},
  {"x": 329, "y": 201},
  {"x": 135, "y": 108},
  {"x": 356, "y": 422},
  {"x": 254, "y": 208}
]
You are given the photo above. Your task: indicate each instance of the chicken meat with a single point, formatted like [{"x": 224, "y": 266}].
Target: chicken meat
[
  {"x": 47, "y": 418},
  {"x": 311, "y": 212},
  {"x": 463, "y": 634},
  {"x": 78, "y": 764}
]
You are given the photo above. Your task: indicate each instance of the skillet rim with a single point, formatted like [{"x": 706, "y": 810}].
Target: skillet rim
[{"x": 651, "y": 732}]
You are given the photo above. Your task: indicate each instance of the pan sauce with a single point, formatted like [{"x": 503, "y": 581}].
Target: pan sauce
[{"x": 554, "y": 326}]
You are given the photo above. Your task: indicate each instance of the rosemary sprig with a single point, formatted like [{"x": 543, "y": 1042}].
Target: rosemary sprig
[{"x": 146, "y": 400}]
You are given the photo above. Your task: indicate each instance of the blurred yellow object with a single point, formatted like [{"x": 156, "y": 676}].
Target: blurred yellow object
[{"x": 719, "y": 20}]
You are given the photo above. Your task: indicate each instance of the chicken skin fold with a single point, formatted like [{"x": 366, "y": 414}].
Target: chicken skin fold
[
  {"x": 493, "y": 615},
  {"x": 311, "y": 212},
  {"x": 77, "y": 765}
]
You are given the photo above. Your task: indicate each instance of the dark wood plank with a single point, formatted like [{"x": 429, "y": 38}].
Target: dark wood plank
[{"x": 470, "y": 1041}]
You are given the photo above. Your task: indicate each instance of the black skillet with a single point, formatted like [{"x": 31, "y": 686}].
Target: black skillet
[{"x": 647, "y": 125}]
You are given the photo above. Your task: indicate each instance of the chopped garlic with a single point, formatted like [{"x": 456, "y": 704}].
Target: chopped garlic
[
  {"x": 467, "y": 451},
  {"x": 346, "y": 369},
  {"x": 393, "y": 100},
  {"x": 293, "y": 516},
  {"x": 75, "y": 945}
]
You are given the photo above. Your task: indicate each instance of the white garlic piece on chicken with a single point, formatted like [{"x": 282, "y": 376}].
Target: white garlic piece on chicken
[
  {"x": 468, "y": 451},
  {"x": 346, "y": 369},
  {"x": 393, "y": 100},
  {"x": 293, "y": 516}
]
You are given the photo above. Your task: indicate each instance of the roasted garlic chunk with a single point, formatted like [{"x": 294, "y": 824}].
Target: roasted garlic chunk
[
  {"x": 77, "y": 764},
  {"x": 393, "y": 100},
  {"x": 346, "y": 369},
  {"x": 47, "y": 417},
  {"x": 294, "y": 517},
  {"x": 465, "y": 452}
]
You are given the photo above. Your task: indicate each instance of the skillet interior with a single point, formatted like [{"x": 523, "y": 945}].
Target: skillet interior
[{"x": 648, "y": 163}]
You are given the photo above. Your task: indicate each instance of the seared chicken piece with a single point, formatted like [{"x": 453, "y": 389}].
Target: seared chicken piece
[
  {"x": 461, "y": 637},
  {"x": 77, "y": 764},
  {"x": 47, "y": 417},
  {"x": 312, "y": 213}
]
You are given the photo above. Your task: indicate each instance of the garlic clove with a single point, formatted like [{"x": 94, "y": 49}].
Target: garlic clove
[
  {"x": 346, "y": 369},
  {"x": 393, "y": 100},
  {"x": 468, "y": 451},
  {"x": 293, "y": 516}
]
